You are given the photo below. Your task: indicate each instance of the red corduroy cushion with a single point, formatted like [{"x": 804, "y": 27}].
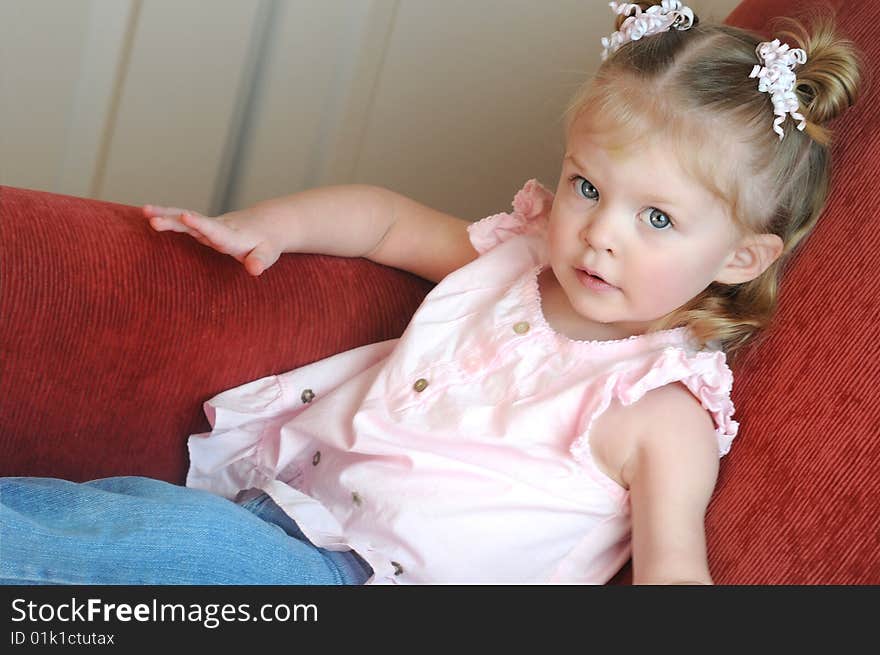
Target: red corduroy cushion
[{"x": 112, "y": 335}]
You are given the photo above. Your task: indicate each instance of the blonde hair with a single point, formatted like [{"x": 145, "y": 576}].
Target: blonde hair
[{"x": 698, "y": 80}]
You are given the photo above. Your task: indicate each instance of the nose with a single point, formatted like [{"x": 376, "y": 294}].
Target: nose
[{"x": 598, "y": 231}]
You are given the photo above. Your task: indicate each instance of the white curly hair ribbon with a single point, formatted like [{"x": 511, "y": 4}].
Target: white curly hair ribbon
[
  {"x": 656, "y": 19},
  {"x": 777, "y": 78}
]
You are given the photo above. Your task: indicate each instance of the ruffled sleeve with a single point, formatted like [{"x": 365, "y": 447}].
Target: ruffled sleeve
[
  {"x": 705, "y": 373},
  {"x": 531, "y": 209}
]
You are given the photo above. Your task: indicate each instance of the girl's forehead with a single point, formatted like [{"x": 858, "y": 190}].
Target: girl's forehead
[
  {"x": 656, "y": 148},
  {"x": 613, "y": 135},
  {"x": 655, "y": 154}
]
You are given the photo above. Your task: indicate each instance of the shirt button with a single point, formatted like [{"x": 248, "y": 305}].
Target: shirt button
[
  {"x": 420, "y": 385},
  {"x": 307, "y": 396},
  {"x": 521, "y": 328},
  {"x": 316, "y": 458},
  {"x": 356, "y": 498},
  {"x": 398, "y": 569}
]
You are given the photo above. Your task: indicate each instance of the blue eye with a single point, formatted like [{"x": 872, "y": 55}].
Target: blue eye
[
  {"x": 658, "y": 219},
  {"x": 582, "y": 186}
]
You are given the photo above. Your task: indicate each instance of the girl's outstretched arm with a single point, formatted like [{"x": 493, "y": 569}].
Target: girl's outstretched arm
[
  {"x": 345, "y": 221},
  {"x": 671, "y": 474}
]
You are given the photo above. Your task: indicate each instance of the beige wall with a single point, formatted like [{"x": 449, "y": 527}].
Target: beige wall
[{"x": 215, "y": 104}]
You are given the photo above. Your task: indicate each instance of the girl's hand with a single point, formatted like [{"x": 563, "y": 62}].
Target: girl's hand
[{"x": 234, "y": 234}]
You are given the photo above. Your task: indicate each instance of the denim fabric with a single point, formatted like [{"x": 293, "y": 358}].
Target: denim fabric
[{"x": 133, "y": 530}]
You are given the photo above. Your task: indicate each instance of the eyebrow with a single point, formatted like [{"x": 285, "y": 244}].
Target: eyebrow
[{"x": 655, "y": 197}]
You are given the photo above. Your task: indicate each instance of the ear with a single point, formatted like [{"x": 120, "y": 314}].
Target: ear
[{"x": 750, "y": 258}]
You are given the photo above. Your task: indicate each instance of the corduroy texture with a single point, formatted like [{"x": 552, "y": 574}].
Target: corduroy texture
[
  {"x": 798, "y": 497},
  {"x": 112, "y": 335}
]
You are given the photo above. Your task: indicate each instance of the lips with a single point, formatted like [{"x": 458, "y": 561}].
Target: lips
[
  {"x": 595, "y": 274},
  {"x": 594, "y": 283}
]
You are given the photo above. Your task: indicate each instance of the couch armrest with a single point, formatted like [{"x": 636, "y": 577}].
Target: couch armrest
[{"x": 112, "y": 335}]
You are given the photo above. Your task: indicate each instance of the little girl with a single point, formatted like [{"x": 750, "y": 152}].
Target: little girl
[{"x": 560, "y": 400}]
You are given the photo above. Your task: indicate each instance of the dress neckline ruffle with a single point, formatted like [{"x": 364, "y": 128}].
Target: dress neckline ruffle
[{"x": 679, "y": 336}]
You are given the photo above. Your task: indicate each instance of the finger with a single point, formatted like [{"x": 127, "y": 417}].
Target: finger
[
  {"x": 162, "y": 224},
  {"x": 159, "y": 210},
  {"x": 260, "y": 258},
  {"x": 172, "y": 225},
  {"x": 221, "y": 237},
  {"x": 253, "y": 265},
  {"x": 202, "y": 240}
]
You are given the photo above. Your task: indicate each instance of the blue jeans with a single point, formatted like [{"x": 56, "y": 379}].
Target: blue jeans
[{"x": 133, "y": 530}]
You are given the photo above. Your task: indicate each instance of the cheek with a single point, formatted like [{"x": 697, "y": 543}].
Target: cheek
[
  {"x": 668, "y": 282},
  {"x": 562, "y": 229},
  {"x": 555, "y": 234}
]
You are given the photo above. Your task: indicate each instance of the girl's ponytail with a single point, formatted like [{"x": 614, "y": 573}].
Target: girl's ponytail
[{"x": 828, "y": 83}]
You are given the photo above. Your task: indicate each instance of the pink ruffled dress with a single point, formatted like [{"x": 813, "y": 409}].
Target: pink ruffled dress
[{"x": 459, "y": 452}]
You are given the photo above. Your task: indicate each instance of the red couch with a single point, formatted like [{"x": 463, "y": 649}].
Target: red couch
[{"x": 112, "y": 336}]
